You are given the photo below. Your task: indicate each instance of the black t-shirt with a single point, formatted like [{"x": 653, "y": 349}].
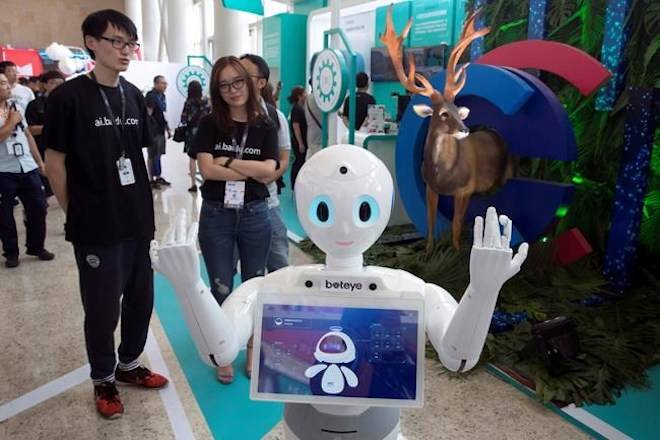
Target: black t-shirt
[
  {"x": 261, "y": 144},
  {"x": 362, "y": 102},
  {"x": 35, "y": 113},
  {"x": 101, "y": 211},
  {"x": 298, "y": 115}
]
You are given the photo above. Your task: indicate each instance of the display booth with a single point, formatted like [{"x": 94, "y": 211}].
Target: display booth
[{"x": 579, "y": 117}]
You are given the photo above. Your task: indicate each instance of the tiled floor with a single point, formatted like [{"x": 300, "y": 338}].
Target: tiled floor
[{"x": 42, "y": 340}]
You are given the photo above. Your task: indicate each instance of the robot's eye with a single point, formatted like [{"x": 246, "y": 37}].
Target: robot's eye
[
  {"x": 333, "y": 344},
  {"x": 365, "y": 211},
  {"x": 321, "y": 211}
]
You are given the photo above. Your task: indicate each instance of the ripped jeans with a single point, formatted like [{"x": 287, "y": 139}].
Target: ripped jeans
[{"x": 220, "y": 229}]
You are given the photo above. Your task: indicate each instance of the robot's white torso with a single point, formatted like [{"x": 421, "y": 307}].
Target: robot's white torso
[{"x": 344, "y": 196}]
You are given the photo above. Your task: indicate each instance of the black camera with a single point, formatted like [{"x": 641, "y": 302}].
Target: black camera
[{"x": 554, "y": 341}]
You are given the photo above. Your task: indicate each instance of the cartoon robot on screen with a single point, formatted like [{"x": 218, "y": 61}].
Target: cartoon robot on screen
[{"x": 344, "y": 196}]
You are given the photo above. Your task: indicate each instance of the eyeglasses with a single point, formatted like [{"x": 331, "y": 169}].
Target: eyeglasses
[
  {"x": 236, "y": 84},
  {"x": 121, "y": 44}
]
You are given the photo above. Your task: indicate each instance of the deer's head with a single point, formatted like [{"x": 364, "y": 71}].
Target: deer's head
[{"x": 446, "y": 117}]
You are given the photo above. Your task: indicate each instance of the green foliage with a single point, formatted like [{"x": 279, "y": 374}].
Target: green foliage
[{"x": 599, "y": 135}]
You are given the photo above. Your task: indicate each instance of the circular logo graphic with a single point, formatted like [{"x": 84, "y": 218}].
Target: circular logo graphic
[
  {"x": 191, "y": 73},
  {"x": 329, "y": 80}
]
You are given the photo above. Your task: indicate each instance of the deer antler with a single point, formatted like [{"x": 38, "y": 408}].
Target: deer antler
[
  {"x": 455, "y": 79},
  {"x": 394, "y": 43}
]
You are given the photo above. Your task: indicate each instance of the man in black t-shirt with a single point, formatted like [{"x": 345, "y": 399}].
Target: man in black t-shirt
[
  {"x": 96, "y": 126},
  {"x": 36, "y": 113},
  {"x": 362, "y": 101}
]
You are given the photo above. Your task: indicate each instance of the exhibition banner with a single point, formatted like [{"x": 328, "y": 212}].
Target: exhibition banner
[
  {"x": 272, "y": 41},
  {"x": 433, "y": 22}
]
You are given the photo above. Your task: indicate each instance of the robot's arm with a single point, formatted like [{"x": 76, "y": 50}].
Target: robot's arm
[
  {"x": 239, "y": 308},
  {"x": 211, "y": 328},
  {"x": 459, "y": 335}
]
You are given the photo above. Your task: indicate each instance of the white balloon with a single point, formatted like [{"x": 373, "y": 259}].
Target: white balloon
[
  {"x": 58, "y": 52},
  {"x": 67, "y": 66},
  {"x": 51, "y": 50}
]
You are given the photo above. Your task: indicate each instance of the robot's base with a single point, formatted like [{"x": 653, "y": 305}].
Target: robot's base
[{"x": 305, "y": 422}]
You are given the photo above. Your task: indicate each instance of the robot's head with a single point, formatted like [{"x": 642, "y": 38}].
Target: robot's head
[
  {"x": 344, "y": 197},
  {"x": 335, "y": 347}
]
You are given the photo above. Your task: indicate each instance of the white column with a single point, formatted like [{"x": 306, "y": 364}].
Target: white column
[
  {"x": 133, "y": 9},
  {"x": 205, "y": 27},
  {"x": 150, "y": 29},
  {"x": 231, "y": 33},
  {"x": 335, "y": 125},
  {"x": 178, "y": 38}
]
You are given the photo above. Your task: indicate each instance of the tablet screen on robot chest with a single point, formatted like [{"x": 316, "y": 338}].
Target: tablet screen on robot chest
[{"x": 339, "y": 350}]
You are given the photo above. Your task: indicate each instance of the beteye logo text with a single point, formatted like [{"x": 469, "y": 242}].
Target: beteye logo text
[{"x": 342, "y": 285}]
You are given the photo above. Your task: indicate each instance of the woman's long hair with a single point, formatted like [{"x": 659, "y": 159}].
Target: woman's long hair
[
  {"x": 220, "y": 111},
  {"x": 267, "y": 94},
  {"x": 194, "y": 91}
]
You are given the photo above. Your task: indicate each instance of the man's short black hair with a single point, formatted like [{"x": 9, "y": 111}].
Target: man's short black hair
[
  {"x": 158, "y": 78},
  {"x": 33, "y": 79},
  {"x": 51, "y": 74},
  {"x": 362, "y": 80},
  {"x": 97, "y": 22},
  {"x": 262, "y": 65},
  {"x": 5, "y": 64}
]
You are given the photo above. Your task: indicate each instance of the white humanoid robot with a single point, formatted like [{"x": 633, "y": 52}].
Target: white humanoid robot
[{"x": 344, "y": 196}]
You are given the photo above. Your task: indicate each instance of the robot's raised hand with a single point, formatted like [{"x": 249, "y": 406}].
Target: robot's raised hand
[
  {"x": 177, "y": 257},
  {"x": 492, "y": 262}
]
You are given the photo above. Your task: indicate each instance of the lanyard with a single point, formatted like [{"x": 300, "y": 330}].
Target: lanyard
[
  {"x": 119, "y": 130},
  {"x": 241, "y": 147}
]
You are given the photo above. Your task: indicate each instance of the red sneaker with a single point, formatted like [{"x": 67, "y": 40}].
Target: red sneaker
[
  {"x": 141, "y": 376},
  {"x": 107, "y": 400}
]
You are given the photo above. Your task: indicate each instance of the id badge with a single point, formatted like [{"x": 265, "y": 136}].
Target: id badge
[
  {"x": 15, "y": 149},
  {"x": 125, "y": 169},
  {"x": 234, "y": 194}
]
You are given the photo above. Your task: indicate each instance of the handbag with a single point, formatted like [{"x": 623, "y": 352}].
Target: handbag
[{"x": 180, "y": 133}]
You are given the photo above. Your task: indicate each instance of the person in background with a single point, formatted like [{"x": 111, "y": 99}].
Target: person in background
[
  {"x": 195, "y": 107},
  {"x": 313, "y": 117},
  {"x": 236, "y": 149},
  {"x": 278, "y": 257},
  {"x": 267, "y": 95},
  {"x": 298, "y": 122},
  {"x": 35, "y": 85},
  {"x": 20, "y": 165},
  {"x": 157, "y": 106},
  {"x": 362, "y": 101},
  {"x": 36, "y": 113},
  {"x": 20, "y": 94},
  {"x": 279, "y": 250},
  {"x": 97, "y": 172}
]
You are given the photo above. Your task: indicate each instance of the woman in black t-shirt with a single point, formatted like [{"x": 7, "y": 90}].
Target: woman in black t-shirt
[
  {"x": 236, "y": 149},
  {"x": 195, "y": 107},
  {"x": 298, "y": 123}
]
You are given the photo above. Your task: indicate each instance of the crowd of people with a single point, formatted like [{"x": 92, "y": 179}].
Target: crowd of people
[{"x": 82, "y": 141}]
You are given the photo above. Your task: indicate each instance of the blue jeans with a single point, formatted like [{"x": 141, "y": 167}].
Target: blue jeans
[
  {"x": 220, "y": 229},
  {"x": 279, "y": 251}
]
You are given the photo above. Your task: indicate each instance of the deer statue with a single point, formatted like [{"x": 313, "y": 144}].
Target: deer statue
[{"x": 456, "y": 162}]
